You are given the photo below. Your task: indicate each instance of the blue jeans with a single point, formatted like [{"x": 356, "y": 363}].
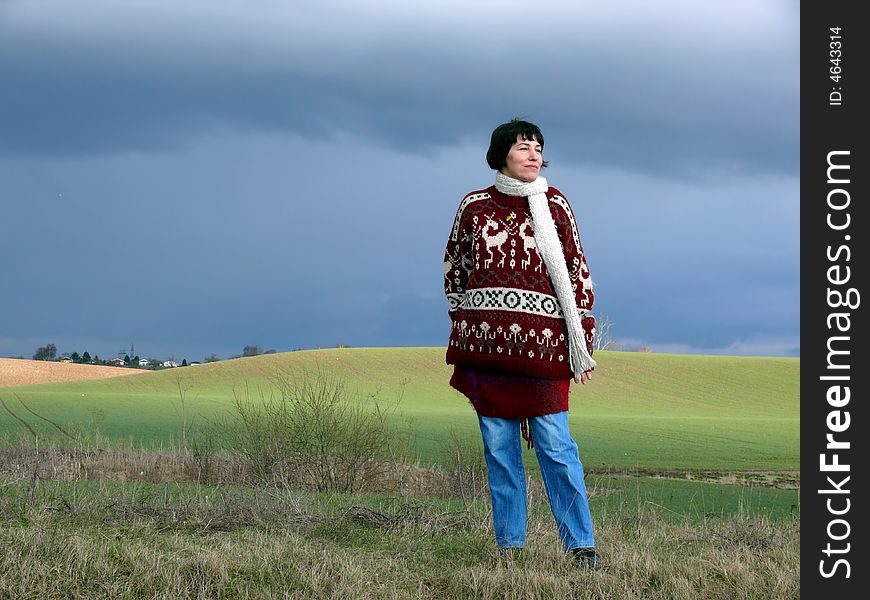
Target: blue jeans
[{"x": 561, "y": 471}]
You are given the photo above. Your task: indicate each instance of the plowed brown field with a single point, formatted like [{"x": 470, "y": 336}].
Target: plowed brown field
[{"x": 27, "y": 372}]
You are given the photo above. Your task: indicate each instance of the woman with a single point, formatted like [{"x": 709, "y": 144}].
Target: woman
[{"x": 513, "y": 263}]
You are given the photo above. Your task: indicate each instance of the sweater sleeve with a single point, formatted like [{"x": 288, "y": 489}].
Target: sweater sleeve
[
  {"x": 575, "y": 259},
  {"x": 458, "y": 262}
]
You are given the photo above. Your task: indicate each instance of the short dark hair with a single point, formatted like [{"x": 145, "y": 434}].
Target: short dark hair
[{"x": 505, "y": 135}]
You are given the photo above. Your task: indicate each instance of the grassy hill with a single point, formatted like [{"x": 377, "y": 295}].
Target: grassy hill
[
  {"x": 167, "y": 534},
  {"x": 648, "y": 411}
]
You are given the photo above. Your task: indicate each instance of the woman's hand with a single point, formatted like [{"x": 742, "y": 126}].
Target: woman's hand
[{"x": 584, "y": 377}]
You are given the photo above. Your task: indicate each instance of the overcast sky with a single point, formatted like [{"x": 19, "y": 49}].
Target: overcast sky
[{"x": 192, "y": 176}]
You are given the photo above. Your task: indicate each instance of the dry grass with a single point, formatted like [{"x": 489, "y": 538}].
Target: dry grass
[
  {"x": 121, "y": 523},
  {"x": 15, "y": 372},
  {"x": 143, "y": 541},
  {"x": 22, "y": 461}
]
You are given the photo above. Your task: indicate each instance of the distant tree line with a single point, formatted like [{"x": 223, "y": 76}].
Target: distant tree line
[
  {"x": 253, "y": 351},
  {"x": 49, "y": 353}
]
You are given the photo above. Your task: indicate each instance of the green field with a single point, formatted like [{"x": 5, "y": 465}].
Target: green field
[
  {"x": 642, "y": 411},
  {"x": 682, "y": 451}
]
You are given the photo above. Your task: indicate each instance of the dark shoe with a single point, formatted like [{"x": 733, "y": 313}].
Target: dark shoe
[{"x": 587, "y": 557}]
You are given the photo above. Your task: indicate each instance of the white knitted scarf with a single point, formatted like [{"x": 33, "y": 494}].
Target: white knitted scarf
[{"x": 550, "y": 249}]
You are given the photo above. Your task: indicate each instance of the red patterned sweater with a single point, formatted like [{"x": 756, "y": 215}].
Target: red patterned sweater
[{"x": 504, "y": 311}]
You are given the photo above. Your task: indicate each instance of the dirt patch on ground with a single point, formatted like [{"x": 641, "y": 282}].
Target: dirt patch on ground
[{"x": 28, "y": 372}]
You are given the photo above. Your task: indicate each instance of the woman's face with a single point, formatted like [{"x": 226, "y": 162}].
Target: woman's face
[{"x": 524, "y": 160}]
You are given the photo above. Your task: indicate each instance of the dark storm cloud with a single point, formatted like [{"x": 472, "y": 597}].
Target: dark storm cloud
[
  {"x": 240, "y": 240},
  {"x": 197, "y": 176},
  {"x": 647, "y": 89}
]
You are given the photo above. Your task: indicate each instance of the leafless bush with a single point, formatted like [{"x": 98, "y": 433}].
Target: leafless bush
[
  {"x": 310, "y": 430},
  {"x": 37, "y": 437},
  {"x": 604, "y": 334},
  {"x": 464, "y": 455}
]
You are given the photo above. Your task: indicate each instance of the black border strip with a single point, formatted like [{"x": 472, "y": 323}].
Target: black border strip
[{"x": 834, "y": 171}]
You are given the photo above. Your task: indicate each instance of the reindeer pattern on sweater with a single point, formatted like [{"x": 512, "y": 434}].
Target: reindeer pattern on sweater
[{"x": 503, "y": 308}]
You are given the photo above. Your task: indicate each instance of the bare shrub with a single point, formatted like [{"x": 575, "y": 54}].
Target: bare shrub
[
  {"x": 604, "y": 334},
  {"x": 464, "y": 455},
  {"x": 36, "y": 462},
  {"x": 310, "y": 430},
  {"x": 200, "y": 458}
]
